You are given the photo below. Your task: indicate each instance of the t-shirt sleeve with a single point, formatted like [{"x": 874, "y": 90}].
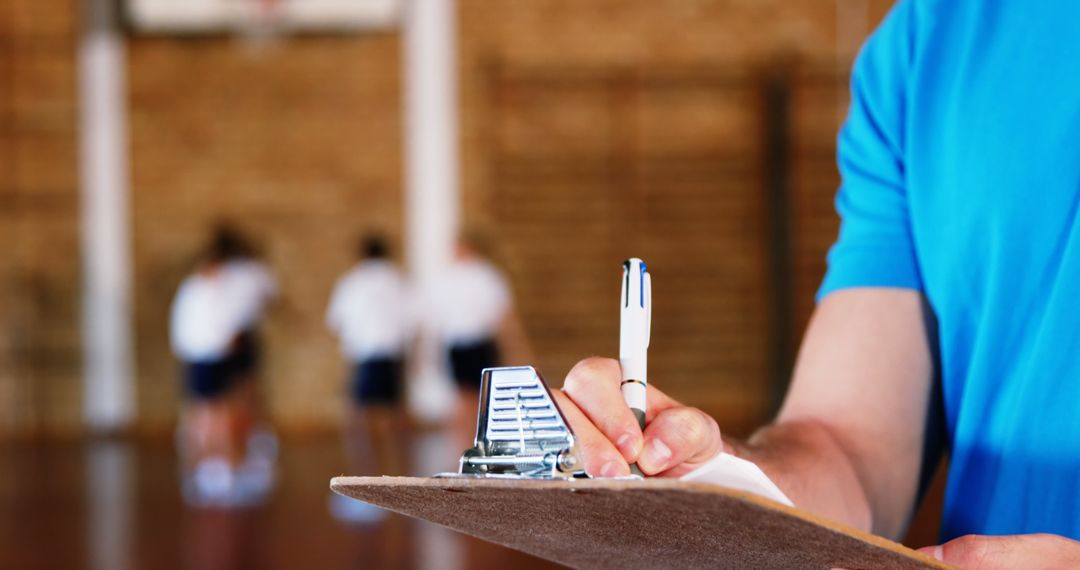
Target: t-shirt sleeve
[{"x": 875, "y": 247}]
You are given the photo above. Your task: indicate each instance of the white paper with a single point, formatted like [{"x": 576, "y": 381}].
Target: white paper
[{"x": 730, "y": 471}]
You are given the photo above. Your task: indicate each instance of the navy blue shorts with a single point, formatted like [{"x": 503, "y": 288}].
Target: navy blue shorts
[
  {"x": 468, "y": 361},
  {"x": 377, "y": 381},
  {"x": 208, "y": 380}
]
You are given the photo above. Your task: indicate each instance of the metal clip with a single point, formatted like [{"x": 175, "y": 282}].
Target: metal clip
[{"x": 520, "y": 431}]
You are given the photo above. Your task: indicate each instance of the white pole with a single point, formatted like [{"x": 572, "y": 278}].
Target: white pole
[
  {"x": 432, "y": 195},
  {"x": 108, "y": 382}
]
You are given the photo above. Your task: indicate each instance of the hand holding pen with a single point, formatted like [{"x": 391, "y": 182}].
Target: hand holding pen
[{"x": 597, "y": 402}]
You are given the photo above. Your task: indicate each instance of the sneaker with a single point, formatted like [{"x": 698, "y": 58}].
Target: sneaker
[{"x": 210, "y": 484}]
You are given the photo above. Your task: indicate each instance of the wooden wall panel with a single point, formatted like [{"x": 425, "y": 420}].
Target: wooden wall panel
[
  {"x": 40, "y": 360},
  {"x": 610, "y": 114},
  {"x": 593, "y": 166},
  {"x": 596, "y": 130}
]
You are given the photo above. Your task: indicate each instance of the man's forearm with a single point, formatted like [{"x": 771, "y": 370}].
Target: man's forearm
[{"x": 809, "y": 465}]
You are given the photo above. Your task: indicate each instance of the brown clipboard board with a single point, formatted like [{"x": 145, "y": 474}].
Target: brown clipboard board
[{"x": 650, "y": 523}]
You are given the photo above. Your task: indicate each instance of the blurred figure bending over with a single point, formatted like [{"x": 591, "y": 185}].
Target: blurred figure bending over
[
  {"x": 478, "y": 324},
  {"x": 213, "y": 325},
  {"x": 371, "y": 312}
]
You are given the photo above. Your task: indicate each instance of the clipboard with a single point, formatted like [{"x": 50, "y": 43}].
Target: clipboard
[{"x": 648, "y": 523}]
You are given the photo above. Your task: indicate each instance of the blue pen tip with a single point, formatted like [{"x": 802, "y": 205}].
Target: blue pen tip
[{"x": 641, "y": 286}]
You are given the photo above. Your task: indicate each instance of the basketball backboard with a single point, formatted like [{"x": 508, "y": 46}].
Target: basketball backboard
[{"x": 282, "y": 16}]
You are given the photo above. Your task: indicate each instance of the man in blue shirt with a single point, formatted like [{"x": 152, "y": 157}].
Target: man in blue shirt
[{"x": 957, "y": 268}]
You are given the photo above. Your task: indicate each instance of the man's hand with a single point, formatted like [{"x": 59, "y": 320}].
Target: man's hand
[
  {"x": 677, "y": 438},
  {"x": 848, "y": 443},
  {"x": 1031, "y": 551}
]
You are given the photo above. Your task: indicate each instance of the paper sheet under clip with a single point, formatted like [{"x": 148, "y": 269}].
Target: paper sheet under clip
[{"x": 736, "y": 473}]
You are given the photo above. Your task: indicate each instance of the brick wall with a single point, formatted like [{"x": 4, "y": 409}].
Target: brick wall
[
  {"x": 578, "y": 119},
  {"x": 39, "y": 269},
  {"x": 598, "y": 130}
]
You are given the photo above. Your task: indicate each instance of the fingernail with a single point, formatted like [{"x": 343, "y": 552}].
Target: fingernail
[
  {"x": 611, "y": 469},
  {"x": 939, "y": 553},
  {"x": 656, "y": 455},
  {"x": 624, "y": 443}
]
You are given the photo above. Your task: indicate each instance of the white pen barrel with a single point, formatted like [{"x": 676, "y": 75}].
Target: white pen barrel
[
  {"x": 634, "y": 377},
  {"x": 634, "y": 394},
  {"x": 634, "y": 367},
  {"x": 634, "y": 322}
]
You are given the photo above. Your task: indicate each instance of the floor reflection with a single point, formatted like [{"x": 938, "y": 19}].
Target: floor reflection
[
  {"x": 220, "y": 539},
  {"x": 117, "y": 505},
  {"x": 109, "y": 486},
  {"x": 438, "y": 548}
]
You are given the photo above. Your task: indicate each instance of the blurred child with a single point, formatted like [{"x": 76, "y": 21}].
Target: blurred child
[
  {"x": 212, "y": 330},
  {"x": 478, "y": 324},
  {"x": 371, "y": 312}
]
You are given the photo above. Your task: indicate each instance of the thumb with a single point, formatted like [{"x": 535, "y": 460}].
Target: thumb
[
  {"x": 976, "y": 552},
  {"x": 677, "y": 440}
]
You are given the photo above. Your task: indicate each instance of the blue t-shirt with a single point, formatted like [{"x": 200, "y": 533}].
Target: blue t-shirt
[{"x": 960, "y": 162}]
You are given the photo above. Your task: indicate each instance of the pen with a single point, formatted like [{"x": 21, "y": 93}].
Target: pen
[{"x": 635, "y": 320}]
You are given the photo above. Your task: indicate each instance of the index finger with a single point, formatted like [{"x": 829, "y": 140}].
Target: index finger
[{"x": 594, "y": 386}]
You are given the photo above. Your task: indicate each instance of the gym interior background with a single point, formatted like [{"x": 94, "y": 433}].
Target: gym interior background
[{"x": 696, "y": 134}]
